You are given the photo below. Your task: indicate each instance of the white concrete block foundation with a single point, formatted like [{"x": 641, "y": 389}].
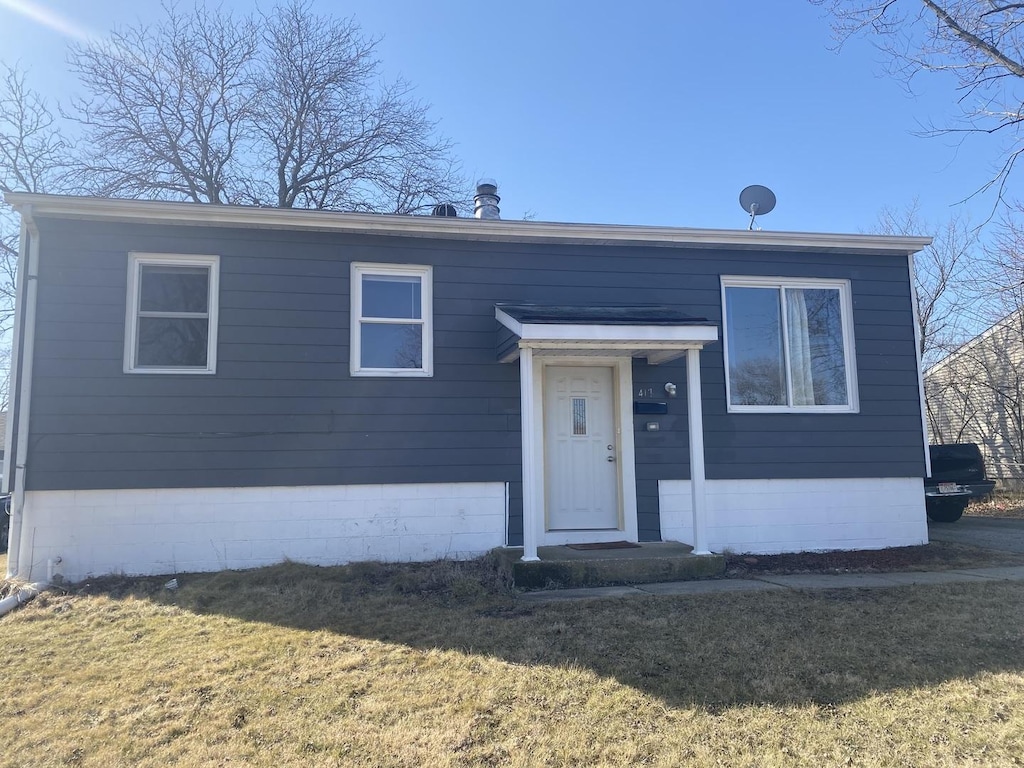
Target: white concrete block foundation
[
  {"x": 177, "y": 530},
  {"x": 773, "y": 516}
]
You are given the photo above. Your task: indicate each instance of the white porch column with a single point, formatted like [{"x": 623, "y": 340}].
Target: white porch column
[
  {"x": 527, "y": 371},
  {"x": 696, "y": 430}
]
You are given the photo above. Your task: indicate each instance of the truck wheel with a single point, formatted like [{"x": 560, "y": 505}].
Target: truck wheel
[{"x": 945, "y": 510}]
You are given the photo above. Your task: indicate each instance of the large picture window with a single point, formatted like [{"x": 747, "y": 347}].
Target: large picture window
[
  {"x": 171, "y": 322},
  {"x": 789, "y": 345},
  {"x": 391, "y": 320}
]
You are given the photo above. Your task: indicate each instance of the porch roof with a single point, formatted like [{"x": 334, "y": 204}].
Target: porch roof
[{"x": 657, "y": 332}]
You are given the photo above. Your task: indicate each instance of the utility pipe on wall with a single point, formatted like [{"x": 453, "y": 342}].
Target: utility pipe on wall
[
  {"x": 19, "y": 563},
  {"x": 21, "y": 597}
]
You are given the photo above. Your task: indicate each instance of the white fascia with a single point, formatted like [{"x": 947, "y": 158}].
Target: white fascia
[
  {"x": 498, "y": 230},
  {"x": 535, "y": 334}
]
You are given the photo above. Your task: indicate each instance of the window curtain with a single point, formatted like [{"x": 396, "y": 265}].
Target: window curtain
[{"x": 797, "y": 329}]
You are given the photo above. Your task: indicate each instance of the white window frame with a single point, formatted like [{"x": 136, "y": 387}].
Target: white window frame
[
  {"x": 135, "y": 263},
  {"x": 849, "y": 351},
  {"x": 425, "y": 273}
]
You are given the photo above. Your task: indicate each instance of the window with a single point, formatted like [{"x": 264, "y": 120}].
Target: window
[
  {"x": 391, "y": 320},
  {"x": 788, "y": 345},
  {"x": 171, "y": 324},
  {"x": 579, "y": 416}
]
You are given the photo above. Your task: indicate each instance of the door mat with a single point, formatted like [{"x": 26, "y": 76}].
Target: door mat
[{"x": 605, "y": 545}]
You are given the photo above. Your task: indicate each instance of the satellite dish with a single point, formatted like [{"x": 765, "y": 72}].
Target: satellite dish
[{"x": 757, "y": 201}]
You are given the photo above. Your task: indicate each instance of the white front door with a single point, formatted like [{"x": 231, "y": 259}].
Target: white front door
[{"x": 581, "y": 475}]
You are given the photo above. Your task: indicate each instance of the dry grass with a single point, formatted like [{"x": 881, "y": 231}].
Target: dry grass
[{"x": 437, "y": 665}]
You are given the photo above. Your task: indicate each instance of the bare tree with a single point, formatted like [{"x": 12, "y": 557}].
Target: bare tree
[
  {"x": 171, "y": 106},
  {"x": 335, "y": 141},
  {"x": 977, "y": 42},
  {"x": 948, "y": 281},
  {"x": 953, "y": 280},
  {"x": 35, "y": 156},
  {"x": 1006, "y": 259},
  {"x": 283, "y": 110},
  {"x": 976, "y": 393}
]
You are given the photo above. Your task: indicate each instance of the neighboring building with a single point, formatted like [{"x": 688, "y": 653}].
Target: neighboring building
[
  {"x": 204, "y": 386},
  {"x": 976, "y": 395}
]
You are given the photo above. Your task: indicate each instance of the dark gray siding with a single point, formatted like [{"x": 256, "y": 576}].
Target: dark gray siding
[
  {"x": 664, "y": 454},
  {"x": 283, "y": 409},
  {"x": 506, "y": 341}
]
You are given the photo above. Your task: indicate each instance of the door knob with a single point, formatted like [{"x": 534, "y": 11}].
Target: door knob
[{"x": 611, "y": 458}]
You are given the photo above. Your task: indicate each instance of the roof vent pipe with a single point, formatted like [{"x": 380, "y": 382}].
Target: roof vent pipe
[{"x": 486, "y": 200}]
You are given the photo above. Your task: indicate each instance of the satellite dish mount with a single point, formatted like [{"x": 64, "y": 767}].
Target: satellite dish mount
[{"x": 757, "y": 201}]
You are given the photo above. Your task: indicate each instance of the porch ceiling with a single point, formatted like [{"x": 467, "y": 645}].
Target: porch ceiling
[{"x": 655, "y": 332}]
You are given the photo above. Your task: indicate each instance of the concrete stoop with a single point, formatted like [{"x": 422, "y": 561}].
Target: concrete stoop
[{"x": 561, "y": 567}]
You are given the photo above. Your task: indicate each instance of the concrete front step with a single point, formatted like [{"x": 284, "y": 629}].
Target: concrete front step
[{"x": 561, "y": 567}]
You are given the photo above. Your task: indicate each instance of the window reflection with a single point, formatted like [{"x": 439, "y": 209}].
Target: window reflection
[
  {"x": 171, "y": 342},
  {"x": 392, "y": 345},
  {"x": 756, "y": 369},
  {"x": 172, "y": 324},
  {"x": 396, "y": 296},
  {"x": 173, "y": 289},
  {"x": 806, "y": 368}
]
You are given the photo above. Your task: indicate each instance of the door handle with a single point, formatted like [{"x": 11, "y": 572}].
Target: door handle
[{"x": 611, "y": 458}]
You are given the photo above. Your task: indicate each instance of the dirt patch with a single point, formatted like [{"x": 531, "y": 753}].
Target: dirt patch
[{"x": 936, "y": 556}]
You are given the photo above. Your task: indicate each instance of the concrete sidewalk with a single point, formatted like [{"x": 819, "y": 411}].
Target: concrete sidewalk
[{"x": 769, "y": 582}]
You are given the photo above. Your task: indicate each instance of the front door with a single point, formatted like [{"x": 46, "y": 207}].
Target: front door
[{"x": 581, "y": 470}]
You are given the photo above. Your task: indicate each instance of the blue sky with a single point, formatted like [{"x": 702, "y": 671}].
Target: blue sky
[{"x": 644, "y": 113}]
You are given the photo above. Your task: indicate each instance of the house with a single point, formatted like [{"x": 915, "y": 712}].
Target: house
[
  {"x": 976, "y": 395},
  {"x": 201, "y": 387}
]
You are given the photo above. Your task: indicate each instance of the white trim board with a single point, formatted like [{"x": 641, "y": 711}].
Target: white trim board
[
  {"x": 192, "y": 214},
  {"x": 916, "y": 308},
  {"x": 631, "y": 332},
  {"x": 176, "y": 530},
  {"x": 133, "y": 310},
  {"x": 774, "y": 516},
  {"x": 360, "y": 269},
  {"x": 849, "y": 341},
  {"x": 532, "y": 374}
]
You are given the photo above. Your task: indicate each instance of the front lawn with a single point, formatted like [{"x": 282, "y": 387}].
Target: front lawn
[{"x": 435, "y": 665}]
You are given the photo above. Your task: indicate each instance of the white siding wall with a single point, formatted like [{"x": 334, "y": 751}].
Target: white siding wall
[
  {"x": 169, "y": 530},
  {"x": 772, "y": 516}
]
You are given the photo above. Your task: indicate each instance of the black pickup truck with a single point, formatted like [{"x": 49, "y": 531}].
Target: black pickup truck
[{"x": 958, "y": 475}]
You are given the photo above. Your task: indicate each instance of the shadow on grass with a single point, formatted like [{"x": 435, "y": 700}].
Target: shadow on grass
[{"x": 714, "y": 652}]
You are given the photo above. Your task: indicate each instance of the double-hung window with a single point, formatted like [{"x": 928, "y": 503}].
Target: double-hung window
[
  {"x": 391, "y": 320},
  {"x": 789, "y": 344},
  {"x": 171, "y": 319}
]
